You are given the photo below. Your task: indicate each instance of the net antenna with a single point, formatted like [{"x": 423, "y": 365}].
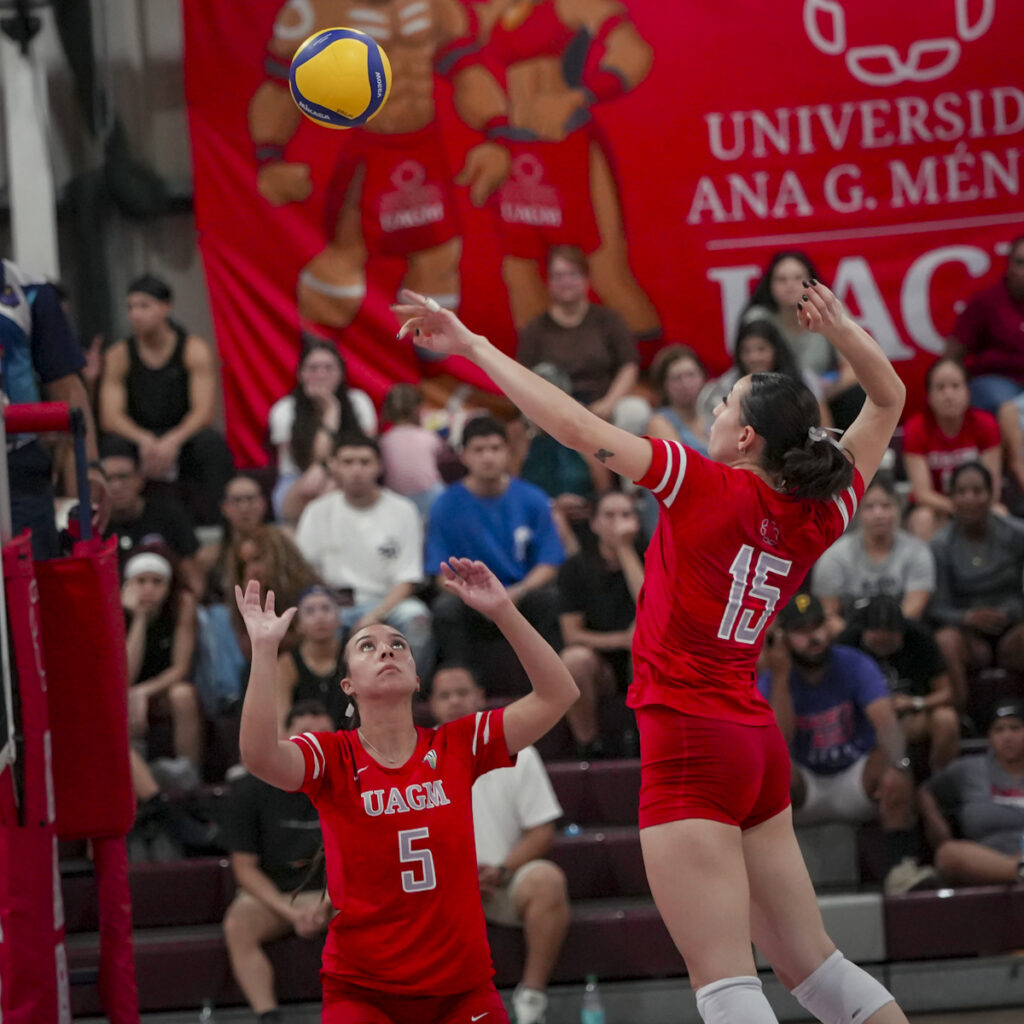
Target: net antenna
[{"x": 8, "y": 749}]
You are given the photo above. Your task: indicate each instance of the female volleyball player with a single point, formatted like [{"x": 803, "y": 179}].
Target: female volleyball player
[
  {"x": 408, "y": 944},
  {"x": 737, "y": 533}
]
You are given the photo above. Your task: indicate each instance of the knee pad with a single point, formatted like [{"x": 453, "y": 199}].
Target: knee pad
[
  {"x": 734, "y": 999},
  {"x": 839, "y": 992}
]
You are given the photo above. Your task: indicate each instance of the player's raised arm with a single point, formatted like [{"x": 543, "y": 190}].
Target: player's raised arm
[
  {"x": 268, "y": 757},
  {"x": 555, "y": 412},
  {"x": 554, "y": 690},
  {"x": 868, "y": 436}
]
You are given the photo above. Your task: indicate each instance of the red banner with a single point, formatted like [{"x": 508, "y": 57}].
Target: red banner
[{"x": 885, "y": 140}]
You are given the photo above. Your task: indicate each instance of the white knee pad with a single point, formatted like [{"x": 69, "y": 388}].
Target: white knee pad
[
  {"x": 734, "y": 999},
  {"x": 839, "y": 992}
]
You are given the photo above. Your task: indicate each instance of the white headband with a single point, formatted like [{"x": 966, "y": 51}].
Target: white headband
[{"x": 148, "y": 561}]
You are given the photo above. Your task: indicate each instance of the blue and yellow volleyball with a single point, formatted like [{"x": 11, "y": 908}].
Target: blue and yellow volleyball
[{"x": 340, "y": 77}]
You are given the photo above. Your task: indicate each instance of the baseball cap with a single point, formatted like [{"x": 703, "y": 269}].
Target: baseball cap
[
  {"x": 1008, "y": 709},
  {"x": 803, "y": 610}
]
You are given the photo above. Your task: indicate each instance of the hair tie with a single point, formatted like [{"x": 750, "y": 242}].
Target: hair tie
[{"x": 830, "y": 434}]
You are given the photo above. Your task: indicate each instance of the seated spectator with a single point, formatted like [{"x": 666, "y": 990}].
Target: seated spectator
[
  {"x": 274, "y": 838},
  {"x": 590, "y": 342},
  {"x": 243, "y": 509},
  {"x": 272, "y": 558},
  {"x": 849, "y": 755},
  {"x": 978, "y": 607},
  {"x": 760, "y": 348},
  {"x": 159, "y": 391},
  {"x": 775, "y": 299},
  {"x": 408, "y": 450},
  {"x": 160, "y": 617},
  {"x": 503, "y": 522},
  {"x": 305, "y": 423},
  {"x": 875, "y": 558},
  {"x": 598, "y": 588},
  {"x": 137, "y": 519},
  {"x": 973, "y": 810},
  {"x": 313, "y": 669},
  {"x": 679, "y": 377},
  {"x": 514, "y": 815},
  {"x": 945, "y": 435},
  {"x": 988, "y": 336},
  {"x": 910, "y": 660},
  {"x": 367, "y": 542}
]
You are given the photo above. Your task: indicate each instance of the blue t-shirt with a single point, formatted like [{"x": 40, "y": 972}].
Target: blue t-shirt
[
  {"x": 832, "y": 730},
  {"x": 510, "y": 533},
  {"x": 37, "y": 344}
]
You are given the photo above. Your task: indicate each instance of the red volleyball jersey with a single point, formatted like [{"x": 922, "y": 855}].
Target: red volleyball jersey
[
  {"x": 401, "y": 856},
  {"x": 728, "y": 553}
]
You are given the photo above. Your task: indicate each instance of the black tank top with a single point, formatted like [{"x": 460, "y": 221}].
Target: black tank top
[
  {"x": 158, "y": 399},
  {"x": 326, "y": 689}
]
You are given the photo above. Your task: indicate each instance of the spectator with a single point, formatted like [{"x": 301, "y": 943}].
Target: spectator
[
  {"x": 945, "y": 435},
  {"x": 973, "y": 810},
  {"x": 243, "y": 509},
  {"x": 41, "y": 358},
  {"x": 876, "y": 558},
  {"x": 503, "y": 522},
  {"x": 514, "y": 815},
  {"x": 159, "y": 391},
  {"x": 409, "y": 451},
  {"x": 137, "y": 519},
  {"x": 305, "y": 424},
  {"x": 978, "y": 608},
  {"x": 272, "y": 558},
  {"x": 679, "y": 377},
  {"x": 849, "y": 755},
  {"x": 313, "y": 669},
  {"x": 910, "y": 660},
  {"x": 598, "y": 588},
  {"x": 368, "y": 542},
  {"x": 274, "y": 839},
  {"x": 775, "y": 299},
  {"x": 160, "y": 617},
  {"x": 987, "y": 334},
  {"x": 590, "y": 342},
  {"x": 760, "y": 348}
]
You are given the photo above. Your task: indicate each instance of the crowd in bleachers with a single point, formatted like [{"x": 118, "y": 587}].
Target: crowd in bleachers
[{"x": 908, "y": 642}]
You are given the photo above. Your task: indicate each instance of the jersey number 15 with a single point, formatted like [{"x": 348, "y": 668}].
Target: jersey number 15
[{"x": 745, "y": 631}]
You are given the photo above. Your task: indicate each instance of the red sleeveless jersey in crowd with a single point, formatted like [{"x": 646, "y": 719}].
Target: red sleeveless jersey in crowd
[
  {"x": 401, "y": 857},
  {"x": 728, "y": 553}
]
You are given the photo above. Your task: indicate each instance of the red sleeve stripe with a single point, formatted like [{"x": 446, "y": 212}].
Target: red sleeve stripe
[
  {"x": 482, "y": 718},
  {"x": 313, "y": 745},
  {"x": 674, "y": 471}
]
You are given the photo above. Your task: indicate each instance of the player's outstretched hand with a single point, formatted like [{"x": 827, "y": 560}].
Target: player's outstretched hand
[
  {"x": 433, "y": 327},
  {"x": 819, "y": 310},
  {"x": 475, "y": 584},
  {"x": 262, "y": 622}
]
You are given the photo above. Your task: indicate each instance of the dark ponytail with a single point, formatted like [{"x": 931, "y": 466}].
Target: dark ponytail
[{"x": 782, "y": 411}]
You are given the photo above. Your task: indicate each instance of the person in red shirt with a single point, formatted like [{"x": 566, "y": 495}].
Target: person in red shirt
[
  {"x": 408, "y": 944},
  {"x": 737, "y": 533},
  {"x": 947, "y": 434}
]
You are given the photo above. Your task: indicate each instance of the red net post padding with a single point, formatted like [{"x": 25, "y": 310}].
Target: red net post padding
[{"x": 85, "y": 654}]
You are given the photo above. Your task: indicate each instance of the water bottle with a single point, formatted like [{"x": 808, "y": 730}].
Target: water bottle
[
  {"x": 593, "y": 1008},
  {"x": 206, "y": 1013}
]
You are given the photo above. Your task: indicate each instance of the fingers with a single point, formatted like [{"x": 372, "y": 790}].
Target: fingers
[
  {"x": 411, "y": 324},
  {"x": 269, "y": 608}
]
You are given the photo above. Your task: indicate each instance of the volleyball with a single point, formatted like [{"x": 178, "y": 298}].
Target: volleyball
[{"x": 340, "y": 77}]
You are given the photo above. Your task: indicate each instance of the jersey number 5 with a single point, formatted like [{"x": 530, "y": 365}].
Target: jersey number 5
[
  {"x": 743, "y": 631},
  {"x": 424, "y": 858}
]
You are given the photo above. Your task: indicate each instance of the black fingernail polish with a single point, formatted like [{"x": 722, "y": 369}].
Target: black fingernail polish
[
  {"x": 799, "y": 305},
  {"x": 417, "y": 332},
  {"x": 806, "y": 298},
  {"x": 813, "y": 281},
  {"x": 805, "y": 284}
]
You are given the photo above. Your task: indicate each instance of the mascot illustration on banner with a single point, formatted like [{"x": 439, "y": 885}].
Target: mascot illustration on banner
[
  {"x": 391, "y": 191},
  {"x": 544, "y": 64}
]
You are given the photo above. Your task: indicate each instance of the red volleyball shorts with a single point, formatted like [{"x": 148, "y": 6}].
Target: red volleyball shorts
[
  {"x": 345, "y": 1003},
  {"x": 707, "y": 768}
]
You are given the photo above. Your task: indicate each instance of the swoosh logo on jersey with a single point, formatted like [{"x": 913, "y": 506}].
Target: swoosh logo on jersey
[
  {"x": 359, "y": 771},
  {"x": 479, "y": 1015}
]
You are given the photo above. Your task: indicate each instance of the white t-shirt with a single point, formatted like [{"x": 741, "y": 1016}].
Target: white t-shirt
[
  {"x": 368, "y": 549},
  {"x": 508, "y": 801},
  {"x": 281, "y": 419}
]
